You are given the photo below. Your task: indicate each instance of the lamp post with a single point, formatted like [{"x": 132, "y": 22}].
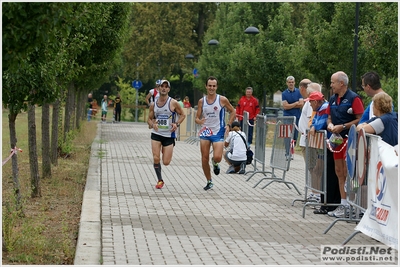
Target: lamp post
[
  {"x": 213, "y": 42},
  {"x": 191, "y": 57},
  {"x": 254, "y": 31}
]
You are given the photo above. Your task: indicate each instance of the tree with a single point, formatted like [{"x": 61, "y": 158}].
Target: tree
[{"x": 161, "y": 35}]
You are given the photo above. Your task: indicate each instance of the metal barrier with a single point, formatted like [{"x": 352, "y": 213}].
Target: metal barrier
[
  {"x": 280, "y": 156},
  {"x": 357, "y": 184},
  {"x": 316, "y": 169},
  {"x": 192, "y": 128},
  {"x": 259, "y": 151},
  {"x": 245, "y": 124}
]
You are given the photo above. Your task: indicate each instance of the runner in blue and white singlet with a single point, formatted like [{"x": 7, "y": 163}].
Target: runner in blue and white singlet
[
  {"x": 213, "y": 128},
  {"x": 211, "y": 116}
]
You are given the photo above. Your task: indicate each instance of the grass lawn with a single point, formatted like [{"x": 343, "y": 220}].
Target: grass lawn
[{"x": 48, "y": 230}]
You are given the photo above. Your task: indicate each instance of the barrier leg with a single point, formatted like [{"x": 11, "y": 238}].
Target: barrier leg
[{"x": 350, "y": 237}]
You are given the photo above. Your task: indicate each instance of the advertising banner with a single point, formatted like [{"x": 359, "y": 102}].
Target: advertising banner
[{"x": 380, "y": 220}]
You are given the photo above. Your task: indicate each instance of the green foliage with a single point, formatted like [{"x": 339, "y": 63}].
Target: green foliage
[
  {"x": 390, "y": 86},
  {"x": 128, "y": 96},
  {"x": 161, "y": 35},
  {"x": 9, "y": 221},
  {"x": 66, "y": 146}
]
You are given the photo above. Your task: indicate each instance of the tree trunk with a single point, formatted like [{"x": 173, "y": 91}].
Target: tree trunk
[
  {"x": 14, "y": 160},
  {"x": 80, "y": 106},
  {"x": 33, "y": 158},
  {"x": 201, "y": 23},
  {"x": 54, "y": 132},
  {"x": 46, "y": 161},
  {"x": 69, "y": 107}
]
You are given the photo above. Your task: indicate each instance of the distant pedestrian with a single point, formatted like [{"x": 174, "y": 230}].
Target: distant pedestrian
[
  {"x": 165, "y": 111},
  {"x": 117, "y": 108},
  {"x": 186, "y": 102},
  {"x": 178, "y": 98},
  {"x": 211, "y": 116},
  {"x": 153, "y": 94},
  {"x": 250, "y": 104},
  {"x": 104, "y": 109},
  {"x": 90, "y": 107}
]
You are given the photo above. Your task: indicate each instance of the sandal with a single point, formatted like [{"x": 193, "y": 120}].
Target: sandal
[{"x": 320, "y": 211}]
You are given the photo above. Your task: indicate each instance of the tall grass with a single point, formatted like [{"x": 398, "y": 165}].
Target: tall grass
[{"x": 48, "y": 231}]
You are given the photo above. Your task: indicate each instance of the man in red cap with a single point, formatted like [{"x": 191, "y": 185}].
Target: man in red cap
[{"x": 320, "y": 107}]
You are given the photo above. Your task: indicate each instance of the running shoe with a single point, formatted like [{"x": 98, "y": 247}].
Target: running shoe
[
  {"x": 160, "y": 184},
  {"x": 339, "y": 212},
  {"x": 208, "y": 186},
  {"x": 216, "y": 167},
  {"x": 231, "y": 169}
]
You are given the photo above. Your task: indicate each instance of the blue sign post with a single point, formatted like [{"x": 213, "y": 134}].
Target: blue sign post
[
  {"x": 195, "y": 73},
  {"x": 137, "y": 84}
]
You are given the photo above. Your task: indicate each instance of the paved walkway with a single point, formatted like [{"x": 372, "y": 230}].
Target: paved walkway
[{"x": 126, "y": 221}]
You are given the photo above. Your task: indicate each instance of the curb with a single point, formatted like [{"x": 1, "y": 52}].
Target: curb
[{"x": 88, "y": 247}]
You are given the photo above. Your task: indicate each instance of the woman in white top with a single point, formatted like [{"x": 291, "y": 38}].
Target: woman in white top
[{"x": 236, "y": 155}]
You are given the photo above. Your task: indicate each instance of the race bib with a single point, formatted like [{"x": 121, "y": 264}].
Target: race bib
[
  {"x": 205, "y": 131},
  {"x": 163, "y": 121}
]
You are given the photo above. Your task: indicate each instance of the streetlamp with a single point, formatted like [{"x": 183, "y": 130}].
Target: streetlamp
[
  {"x": 253, "y": 31},
  {"x": 189, "y": 56},
  {"x": 213, "y": 42}
]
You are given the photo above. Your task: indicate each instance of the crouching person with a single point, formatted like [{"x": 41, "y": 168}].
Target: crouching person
[{"x": 235, "y": 155}]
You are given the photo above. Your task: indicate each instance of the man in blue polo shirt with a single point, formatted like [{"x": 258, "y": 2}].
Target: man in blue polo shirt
[{"x": 292, "y": 102}]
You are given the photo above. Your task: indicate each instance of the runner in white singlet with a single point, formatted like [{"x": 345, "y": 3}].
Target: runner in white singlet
[{"x": 211, "y": 116}]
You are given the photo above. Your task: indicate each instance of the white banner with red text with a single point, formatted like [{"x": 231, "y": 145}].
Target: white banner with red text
[{"x": 380, "y": 220}]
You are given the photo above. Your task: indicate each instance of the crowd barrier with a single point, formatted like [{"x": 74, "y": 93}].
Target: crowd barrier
[
  {"x": 315, "y": 170},
  {"x": 371, "y": 188},
  {"x": 259, "y": 150},
  {"x": 281, "y": 154}
]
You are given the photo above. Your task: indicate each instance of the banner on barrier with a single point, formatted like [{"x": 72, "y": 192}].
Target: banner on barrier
[
  {"x": 380, "y": 220},
  {"x": 285, "y": 130}
]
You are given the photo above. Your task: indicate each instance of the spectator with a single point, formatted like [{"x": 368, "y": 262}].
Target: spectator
[
  {"x": 90, "y": 106},
  {"x": 292, "y": 102},
  {"x": 371, "y": 85},
  {"x": 117, "y": 108},
  {"x": 186, "y": 102},
  {"x": 385, "y": 122},
  {"x": 236, "y": 155},
  {"x": 178, "y": 98},
  {"x": 211, "y": 116},
  {"x": 306, "y": 87},
  {"x": 320, "y": 106},
  {"x": 345, "y": 109},
  {"x": 153, "y": 94},
  {"x": 104, "y": 109},
  {"x": 250, "y": 104}
]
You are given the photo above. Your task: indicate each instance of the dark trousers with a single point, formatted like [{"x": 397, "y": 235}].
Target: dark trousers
[
  {"x": 332, "y": 183},
  {"x": 250, "y": 133},
  {"x": 117, "y": 113}
]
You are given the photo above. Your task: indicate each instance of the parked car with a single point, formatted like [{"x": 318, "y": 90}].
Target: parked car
[{"x": 272, "y": 112}]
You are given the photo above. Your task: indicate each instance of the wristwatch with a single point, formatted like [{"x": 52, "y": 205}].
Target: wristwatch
[
  {"x": 344, "y": 127},
  {"x": 177, "y": 124}
]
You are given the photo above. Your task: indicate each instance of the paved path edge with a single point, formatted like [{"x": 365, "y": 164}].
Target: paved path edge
[{"x": 88, "y": 247}]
